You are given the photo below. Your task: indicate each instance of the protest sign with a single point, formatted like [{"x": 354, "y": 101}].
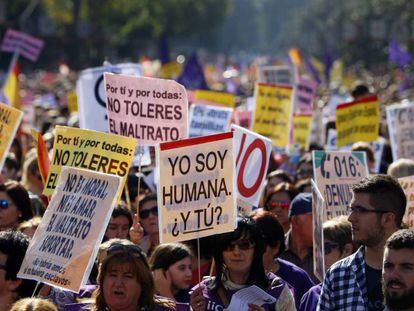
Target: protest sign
[
  {"x": 276, "y": 75},
  {"x": 10, "y": 119},
  {"x": 318, "y": 204},
  {"x": 335, "y": 172},
  {"x": 224, "y": 99},
  {"x": 207, "y": 120},
  {"x": 273, "y": 112},
  {"x": 252, "y": 160},
  {"x": 302, "y": 126},
  {"x": 377, "y": 147},
  {"x": 407, "y": 183},
  {"x": 91, "y": 94},
  {"x": 170, "y": 70},
  {"x": 22, "y": 43},
  {"x": 72, "y": 101},
  {"x": 65, "y": 244},
  {"x": 243, "y": 118},
  {"x": 196, "y": 194},
  {"x": 400, "y": 119},
  {"x": 150, "y": 110},
  {"x": 305, "y": 93},
  {"x": 357, "y": 121},
  {"x": 96, "y": 151}
]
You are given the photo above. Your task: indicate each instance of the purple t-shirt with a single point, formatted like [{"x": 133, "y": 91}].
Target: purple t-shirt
[
  {"x": 310, "y": 300},
  {"x": 296, "y": 277}
]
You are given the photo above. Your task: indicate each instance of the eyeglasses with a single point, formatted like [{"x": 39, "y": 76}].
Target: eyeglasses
[
  {"x": 329, "y": 247},
  {"x": 4, "y": 204},
  {"x": 274, "y": 204},
  {"x": 242, "y": 245},
  {"x": 146, "y": 212},
  {"x": 363, "y": 210}
]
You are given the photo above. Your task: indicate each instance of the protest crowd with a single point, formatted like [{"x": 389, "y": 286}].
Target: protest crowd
[{"x": 262, "y": 185}]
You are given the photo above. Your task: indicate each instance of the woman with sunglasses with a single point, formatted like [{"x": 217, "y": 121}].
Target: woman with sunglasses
[
  {"x": 15, "y": 206},
  {"x": 278, "y": 202},
  {"x": 172, "y": 270},
  {"x": 238, "y": 258},
  {"x": 126, "y": 283},
  {"x": 337, "y": 245},
  {"x": 148, "y": 216}
]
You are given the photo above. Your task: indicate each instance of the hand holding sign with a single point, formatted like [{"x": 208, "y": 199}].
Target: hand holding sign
[{"x": 136, "y": 233}]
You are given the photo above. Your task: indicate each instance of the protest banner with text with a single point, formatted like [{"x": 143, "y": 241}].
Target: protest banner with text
[
  {"x": 273, "y": 113},
  {"x": 335, "y": 172},
  {"x": 208, "y": 120},
  {"x": 302, "y": 126},
  {"x": 64, "y": 246},
  {"x": 305, "y": 93},
  {"x": 10, "y": 119},
  {"x": 91, "y": 94},
  {"x": 148, "y": 109},
  {"x": 95, "y": 151},
  {"x": 196, "y": 194},
  {"x": 357, "y": 121},
  {"x": 252, "y": 160},
  {"x": 400, "y": 119},
  {"x": 276, "y": 75},
  {"x": 407, "y": 183},
  {"x": 318, "y": 204},
  {"x": 221, "y": 98}
]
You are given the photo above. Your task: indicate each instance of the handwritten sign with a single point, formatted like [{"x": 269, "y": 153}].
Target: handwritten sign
[
  {"x": 400, "y": 119},
  {"x": 95, "y": 151},
  {"x": 10, "y": 119},
  {"x": 273, "y": 112},
  {"x": 276, "y": 75},
  {"x": 150, "y": 110},
  {"x": 65, "y": 244},
  {"x": 302, "y": 126},
  {"x": 357, "y": 121},
  {"x": 335, "y": 172},
  {"x": 305, "y": 92},
  {"x": 196, "y": 194},
  {"x": 207, "y": 120}
]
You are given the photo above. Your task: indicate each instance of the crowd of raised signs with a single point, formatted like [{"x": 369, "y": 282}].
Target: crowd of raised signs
[{"x": 278, "y": 253}]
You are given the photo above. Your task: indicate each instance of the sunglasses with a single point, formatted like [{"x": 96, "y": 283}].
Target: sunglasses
[
  {"x": 147, "y": 212},
  {"x": 242, "y": 245},
  {"x": 330, "y": 247},
  {"x": 121, "y": 248},
  {"x": 274, "y": 204},
  {"x": 4, "y": 204}
]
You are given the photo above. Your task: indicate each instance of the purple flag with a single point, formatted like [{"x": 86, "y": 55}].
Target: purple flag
[
  {"x": 193, "y": 76},
  {"x": 398, "y": 55}
]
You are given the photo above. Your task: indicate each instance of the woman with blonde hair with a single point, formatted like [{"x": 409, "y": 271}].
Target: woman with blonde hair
[{"x": 33, "y": 304}]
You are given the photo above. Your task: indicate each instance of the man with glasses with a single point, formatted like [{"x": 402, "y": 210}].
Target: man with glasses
[
  {"x": 398, "y": 271},
  {"x": 13, "y": 246},
  {"x": 376, "y": 211}
]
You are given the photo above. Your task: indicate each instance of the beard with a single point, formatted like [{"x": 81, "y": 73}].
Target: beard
[{"x": 399, "y": 302}]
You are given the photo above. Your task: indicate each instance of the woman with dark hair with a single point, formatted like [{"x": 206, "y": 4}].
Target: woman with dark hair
[
  {"x": 15, "y": 206},
  {"x": 148, "y": 216},
  {"x": 274, "y": 239},
  {"x": 172, "y": 271},
  {"x": 119, "y": 224},
  {"x": 278, "y": 202},
  {"x": 126, "y": 283},
  {"x": 239, "y": 264},
  {"x": 275, "y": 178}
]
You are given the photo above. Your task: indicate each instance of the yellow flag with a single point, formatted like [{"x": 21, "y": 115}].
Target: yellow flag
[{"x": 12, "y": 87}]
